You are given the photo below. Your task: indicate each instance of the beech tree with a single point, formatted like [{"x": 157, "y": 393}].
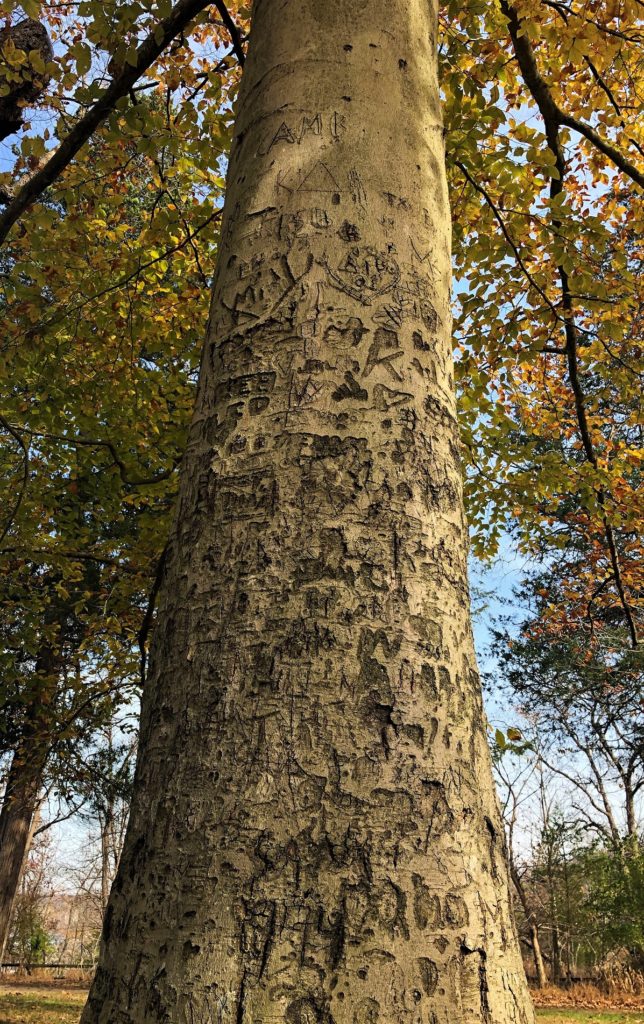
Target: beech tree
[
  {"x": 553, "y": 56},
  {"x": 314, "y": 834}
]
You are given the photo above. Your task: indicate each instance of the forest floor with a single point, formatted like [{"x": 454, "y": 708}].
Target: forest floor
[
  {"x": 587, "y": 999},
  {"x": 54, "y": 1004},
  {"x": 40, "y": 1004}
]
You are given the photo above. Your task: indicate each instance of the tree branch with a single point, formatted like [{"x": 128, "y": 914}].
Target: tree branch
[
  {"x": 233, "y": 31},
  {"x": 566, "y": 11},
  {"x": 183, "y": 12},
  {"x": 508, "y": 238},
  {"x": 552, "y": 114},
  {"x": 553, "y": 119},
  {"x": 604, "y": 147},
  {"x": 28, "y": 553},
  {"x": 91, "y": 442}
]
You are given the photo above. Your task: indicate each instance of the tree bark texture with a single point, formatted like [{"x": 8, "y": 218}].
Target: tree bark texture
[{"x": 314, "y": 836}]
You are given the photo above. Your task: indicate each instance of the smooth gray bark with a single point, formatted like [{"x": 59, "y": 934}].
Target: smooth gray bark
[{"x": 314, "y": 836}]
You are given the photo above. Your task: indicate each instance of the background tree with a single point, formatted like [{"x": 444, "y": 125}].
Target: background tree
[
  {"x": 106, "y": 785},
  {"x": 30, "y": 940},
  {"x": 517, "y": 787},
  {"x": 586, "y": 688},
  {"x": 576, "y": 865}
]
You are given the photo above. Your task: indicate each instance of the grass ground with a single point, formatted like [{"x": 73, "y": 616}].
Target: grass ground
[
  {"x": 552, "y": 1015},
  {"x": 42, "y": 1004}
]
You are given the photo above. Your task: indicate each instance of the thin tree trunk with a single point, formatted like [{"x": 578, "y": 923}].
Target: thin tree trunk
[
  {"x": 557, "y": 975},
  {"x": 632, "y": 831},
  {"x": 314, "y": 834},
  {"x": 569, "y": 923},
  {"x": 554, "y": 930},
  {"x": 542, "y": 978},
  {"x": 533, "y": 925},
  {"x": 106, "y": 822}
]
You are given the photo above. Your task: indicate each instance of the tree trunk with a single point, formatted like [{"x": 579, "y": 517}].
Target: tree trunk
[
  {"x": 21, "y": 83},
  {"x": 531, "y": 920},
  {"x": 632, "y": 830},
  {"x": 555, "y": 945},
  {"x": 105, "y": 862},
  {"x": 314, "y": 834},
  {"x": 16, "y": 819},
  {"x": 24, "y": 783},
  {"x": 542, "y": 978},
  {"x": 557, "y": 975}
]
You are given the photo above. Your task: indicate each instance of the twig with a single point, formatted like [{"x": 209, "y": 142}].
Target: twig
[
  {"x": 123, "y": 281},
  {"x": 507, "y": 236}
]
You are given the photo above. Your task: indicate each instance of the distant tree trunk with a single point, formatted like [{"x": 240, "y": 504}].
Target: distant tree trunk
[
  {"x": 632, "y": 830},
  {"x": 106, "y": 821},
  {"x": 542, "y": 978},
  {"x": 314, "y": 834},
  {"x": 533, "y": 926},
  {"x": 555, "y": 945}
]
